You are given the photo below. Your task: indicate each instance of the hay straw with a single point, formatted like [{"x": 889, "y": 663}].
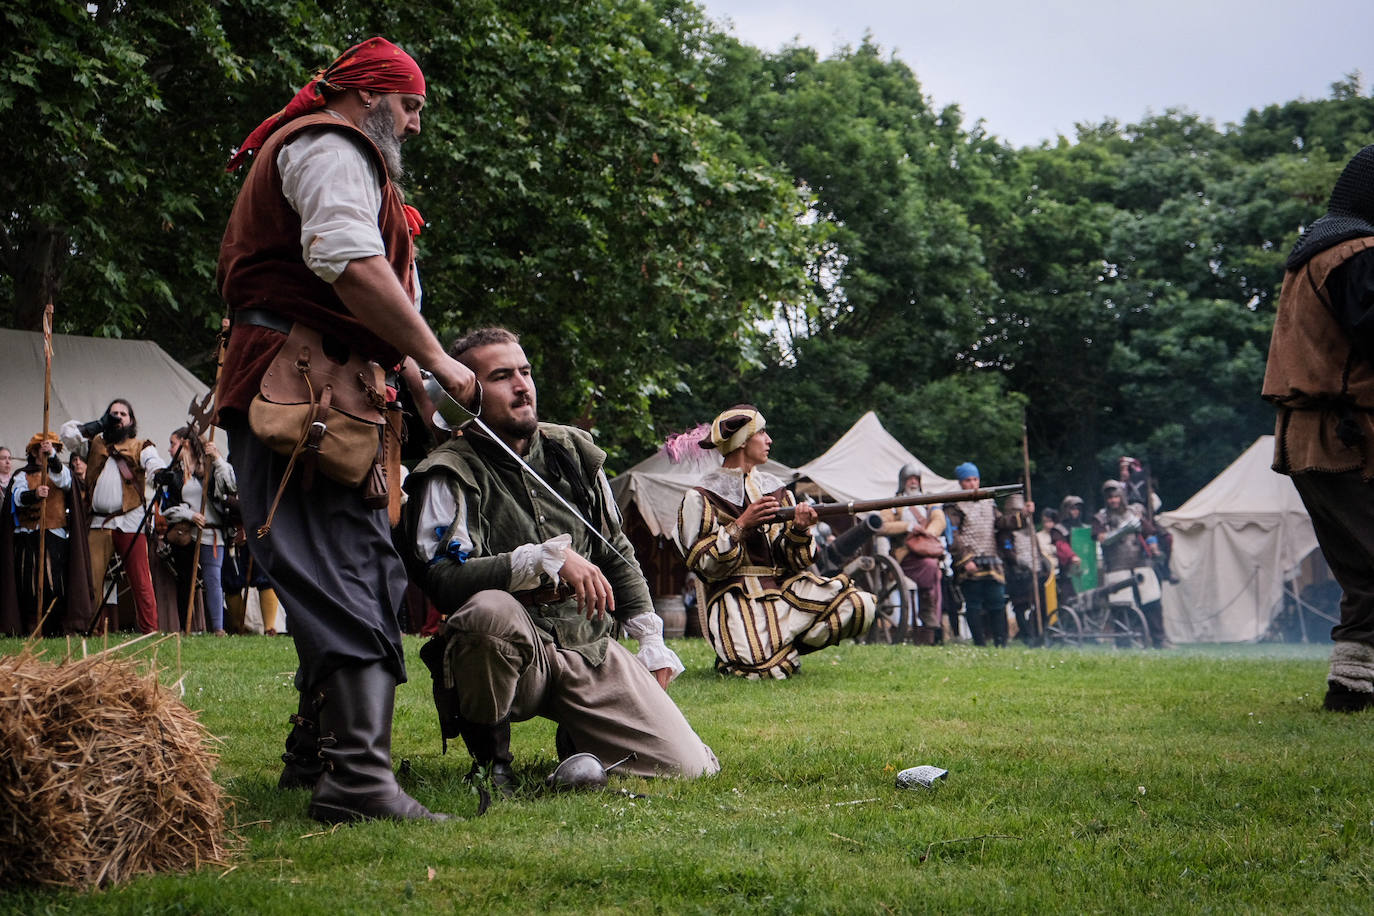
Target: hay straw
[{"x": 104, "y": 774}]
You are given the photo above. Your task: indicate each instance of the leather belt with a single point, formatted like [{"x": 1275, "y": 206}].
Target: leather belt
[
  {"x": 551, "y": 594},
  {"x": 263, "y": 319}
]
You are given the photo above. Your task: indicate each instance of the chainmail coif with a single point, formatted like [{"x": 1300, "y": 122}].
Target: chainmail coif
[{"x": 1349, "y": 214}]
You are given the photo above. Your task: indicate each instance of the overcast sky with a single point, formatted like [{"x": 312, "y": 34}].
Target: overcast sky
[{"x": 1032, "y": 70}]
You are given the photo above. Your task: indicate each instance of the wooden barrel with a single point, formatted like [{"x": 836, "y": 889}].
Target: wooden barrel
[{"x": 674, "y": 614}]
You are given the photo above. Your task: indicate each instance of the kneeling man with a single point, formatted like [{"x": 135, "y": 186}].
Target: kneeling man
[
  {"x": 531, "y": 593},
  {"x": 764, "y": 607}
]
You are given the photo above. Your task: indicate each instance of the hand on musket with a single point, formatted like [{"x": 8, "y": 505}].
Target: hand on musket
[
  {"x": 767, "y": 510},
  {"x": 761, "y": 511}
]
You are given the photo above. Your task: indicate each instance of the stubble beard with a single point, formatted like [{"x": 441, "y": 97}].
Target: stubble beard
[
  {"x": 525, "y": 428},
  {"x": 515, "y": 428},
  {"x": 380, "y": 127}
]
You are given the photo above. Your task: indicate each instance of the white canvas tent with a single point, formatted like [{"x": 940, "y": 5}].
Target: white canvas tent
[
  {"x": 87, "y": 373},
  {"x": 864, "y": 464},
  {"x": 1236, "y": 543}
]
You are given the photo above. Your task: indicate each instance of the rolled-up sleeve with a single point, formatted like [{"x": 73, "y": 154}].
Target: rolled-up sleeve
[{"x": 334, "y": 187}]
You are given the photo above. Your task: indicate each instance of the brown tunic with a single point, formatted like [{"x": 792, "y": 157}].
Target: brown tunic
[
  {"x": 52, "y": 510},
  {"x": 1315, "y": 377}
]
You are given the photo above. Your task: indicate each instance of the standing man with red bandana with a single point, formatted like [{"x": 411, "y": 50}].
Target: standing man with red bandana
[{"x": 320, "y": 237}]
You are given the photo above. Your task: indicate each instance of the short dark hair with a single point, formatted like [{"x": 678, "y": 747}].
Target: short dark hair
[{"x": 482, "y": 337}]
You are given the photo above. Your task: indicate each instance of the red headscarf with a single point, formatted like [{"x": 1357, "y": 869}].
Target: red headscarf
[{"x": 375, "y": 64}]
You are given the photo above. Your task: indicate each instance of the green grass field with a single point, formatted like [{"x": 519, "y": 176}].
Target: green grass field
[{"x": 1197, "y": 780}]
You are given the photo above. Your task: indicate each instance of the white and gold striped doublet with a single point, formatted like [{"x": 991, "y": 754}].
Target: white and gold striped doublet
[{"x": 764, "y": 607}]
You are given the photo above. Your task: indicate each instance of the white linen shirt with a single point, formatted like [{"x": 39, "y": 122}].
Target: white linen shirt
[{"x": 333, "y": 185}]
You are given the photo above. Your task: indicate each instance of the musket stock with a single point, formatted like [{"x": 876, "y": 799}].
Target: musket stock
[{"x": 855, "y": 506}]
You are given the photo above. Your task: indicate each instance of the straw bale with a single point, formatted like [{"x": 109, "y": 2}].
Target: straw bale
[{"x": 104, "y": 774}]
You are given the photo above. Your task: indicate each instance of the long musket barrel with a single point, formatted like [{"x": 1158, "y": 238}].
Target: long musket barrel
[{"x": 855, "y": 506}]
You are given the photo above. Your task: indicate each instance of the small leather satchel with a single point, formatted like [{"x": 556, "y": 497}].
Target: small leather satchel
[
  {"x": 182, "y": 534},
  {"x": 924, "y": 544},
  {"x": 322, "y": 409}
]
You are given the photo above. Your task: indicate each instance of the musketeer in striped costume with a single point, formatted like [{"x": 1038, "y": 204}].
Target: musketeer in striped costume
[{"x": 764, "y": 607}]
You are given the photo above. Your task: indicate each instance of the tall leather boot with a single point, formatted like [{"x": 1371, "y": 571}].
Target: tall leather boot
[
  {"x": 355, "y": 741},
  {"x": 301, "y": 763}
]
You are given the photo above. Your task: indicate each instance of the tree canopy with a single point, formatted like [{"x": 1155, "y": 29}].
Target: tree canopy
[{"x": 677, "y": 222}]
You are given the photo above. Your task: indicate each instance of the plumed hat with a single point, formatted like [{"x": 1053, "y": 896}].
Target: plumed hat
[{"x": 733, "y": 428}]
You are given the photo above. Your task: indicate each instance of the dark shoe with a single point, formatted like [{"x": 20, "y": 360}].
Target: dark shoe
[
  {"x": 1340, "y": 698},
  {"x": 355, "y": 741},
  {"x": 302, "y": 762},
  {"x": 499, "y": 775}
]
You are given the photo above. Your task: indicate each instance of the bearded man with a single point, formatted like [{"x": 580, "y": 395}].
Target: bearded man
[
  {"x": 530, "y": 591},
  {"x": 1320, "y": 377},
  {"x": 320, "y": 241},
  {"x": 118, "y": 464},
  {"x": 764, "y": 607}
]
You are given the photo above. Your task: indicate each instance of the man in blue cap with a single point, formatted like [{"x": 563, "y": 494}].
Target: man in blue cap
[{"x": 977, "y": 566}]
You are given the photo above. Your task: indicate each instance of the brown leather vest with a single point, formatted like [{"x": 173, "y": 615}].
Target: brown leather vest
[
  {"x": 129, "y": 451},
  {"x": 53, "y": 508},
  {"x": 1315, "y": 377},
  {"x": 260, "y": 266}
]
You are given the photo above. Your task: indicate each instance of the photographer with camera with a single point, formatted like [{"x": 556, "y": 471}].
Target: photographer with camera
[{"x": 117, "y": 467}]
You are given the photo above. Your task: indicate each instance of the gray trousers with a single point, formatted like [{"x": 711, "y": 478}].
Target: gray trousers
[
  {"x": 330, "y": 559},
  {"x": 505, "y": 668}
]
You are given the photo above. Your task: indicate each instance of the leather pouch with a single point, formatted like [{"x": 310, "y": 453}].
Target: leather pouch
[{"x": 325, "y": 411}]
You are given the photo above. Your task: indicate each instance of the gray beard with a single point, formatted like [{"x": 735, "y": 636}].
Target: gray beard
[{"x": 380, "y": 127}]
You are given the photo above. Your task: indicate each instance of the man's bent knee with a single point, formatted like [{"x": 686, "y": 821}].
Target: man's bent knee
[
  {"x": 495, "y": 655},
  {"x": 494, "y": 614}
]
